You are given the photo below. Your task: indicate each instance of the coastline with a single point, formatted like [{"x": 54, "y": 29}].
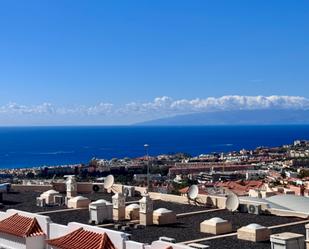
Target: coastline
[{"x": 29, "y": 147}]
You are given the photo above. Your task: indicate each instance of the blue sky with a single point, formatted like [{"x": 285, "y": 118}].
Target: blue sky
[{"x": 85, "y": 54}]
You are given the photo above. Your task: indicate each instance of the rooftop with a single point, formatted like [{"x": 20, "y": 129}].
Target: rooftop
[
  {"x": 186, "y": 229},
  {"x": 90, "y": 240},
  {"x": 233, "y": 243},
  {"x": 20, "y": 226}
]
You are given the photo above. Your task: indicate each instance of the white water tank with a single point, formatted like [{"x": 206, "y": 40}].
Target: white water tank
[
  {"x": 49, "y": 196},
  {"x": 100, "y": 211},
  {"x": 287, "y": 241}
]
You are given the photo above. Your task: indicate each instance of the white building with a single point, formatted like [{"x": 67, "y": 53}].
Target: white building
[{"x": 23, "y": 230}]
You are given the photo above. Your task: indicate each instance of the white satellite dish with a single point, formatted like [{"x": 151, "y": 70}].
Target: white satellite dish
[
  {"x": 232, "y": 202},
  {"x": 109, "y": 181},
  {"x": 193, "y": 192}
]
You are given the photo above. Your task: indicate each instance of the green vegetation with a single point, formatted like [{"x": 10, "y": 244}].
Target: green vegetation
[{"x": 183, "y": 184}]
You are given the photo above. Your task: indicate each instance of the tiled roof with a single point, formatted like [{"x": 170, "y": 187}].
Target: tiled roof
[
  {"x": 21, "y": 226},
  {"x": 82, "y": 239},
  {"x": 184, "y": 190},
  {"x": 239, "y": 186}
]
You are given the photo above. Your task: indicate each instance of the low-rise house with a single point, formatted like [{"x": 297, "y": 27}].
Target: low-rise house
[
  {"x": 240, "y": 188},
  {"x": 21, "y": 232}
]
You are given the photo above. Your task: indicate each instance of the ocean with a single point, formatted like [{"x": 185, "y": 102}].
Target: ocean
[{"x": 38, "y": 146}]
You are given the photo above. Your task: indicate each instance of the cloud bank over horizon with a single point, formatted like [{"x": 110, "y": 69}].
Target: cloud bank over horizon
[{"x": 109, "y": 113}]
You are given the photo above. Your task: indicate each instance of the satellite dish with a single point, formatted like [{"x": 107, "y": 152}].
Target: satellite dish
[
  {"x": 193, "y": 192},
  {"x": 232, "y": 202},
  {"x": 109, "y": 182}
]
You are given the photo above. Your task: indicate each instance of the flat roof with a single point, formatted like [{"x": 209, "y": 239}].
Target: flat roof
[
  {"x": 187, "y": 227},
  {"x": 234, "y": 243}
]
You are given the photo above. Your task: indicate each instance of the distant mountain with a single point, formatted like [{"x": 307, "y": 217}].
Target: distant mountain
[{"x": 241, "y": 117}]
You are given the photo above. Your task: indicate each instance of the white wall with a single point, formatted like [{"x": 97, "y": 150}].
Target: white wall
[
  {"x": 130, "y": 244},
  {"x": 57, "y": 230},
  {"x": 10, "y": 241},
  {"x": 217, "y": 201},
  {"x": 3, "y": 215},
  {"x": 37, "y": 242},
  {"x": 42, "y": 219}
]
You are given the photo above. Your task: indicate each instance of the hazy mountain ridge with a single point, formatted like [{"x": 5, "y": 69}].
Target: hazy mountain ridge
[{"x": 239, "y": 117}]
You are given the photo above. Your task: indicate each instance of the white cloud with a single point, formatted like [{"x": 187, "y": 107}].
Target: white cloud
[
  {"x": 233, "y": 102},
  {"x": 14, "y": 108},
  {"x": 100, "y": 109},
  {"x": 163, "y": 106}
]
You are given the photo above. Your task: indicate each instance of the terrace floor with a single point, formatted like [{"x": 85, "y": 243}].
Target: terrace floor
[
  {"x": 186, "y": 229},
  {"x": 234, "y": 243}
]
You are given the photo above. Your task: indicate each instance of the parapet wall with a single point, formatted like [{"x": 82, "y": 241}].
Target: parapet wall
[
  {"x": 82, "y": 187},
  {"x": 85, "y": 187},
  {"x": 287, "y": 213},
  {"x": 30, "y": 188},
  {"x": 207, "y": 200}
]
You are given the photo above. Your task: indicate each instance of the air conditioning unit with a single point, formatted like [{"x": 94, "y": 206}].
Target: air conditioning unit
[
  {"x": 40, "y": 202},
  {"x": 96, "y": 188},
  {"x": 254, "y": 209}
]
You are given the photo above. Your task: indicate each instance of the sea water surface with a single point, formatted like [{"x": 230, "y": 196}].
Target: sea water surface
[{"x": 37, "y": 146}]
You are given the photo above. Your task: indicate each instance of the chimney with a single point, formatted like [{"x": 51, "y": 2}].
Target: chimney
[
  {"x": 119, "y": 207},
  {"x": 146, "y": 210}
]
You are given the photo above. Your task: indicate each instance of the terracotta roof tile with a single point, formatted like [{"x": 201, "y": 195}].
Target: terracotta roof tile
[
  {"x": 184, "y": 190},
  {"x": 82, "y": 239},
  {"x": 21, "y": 226}
]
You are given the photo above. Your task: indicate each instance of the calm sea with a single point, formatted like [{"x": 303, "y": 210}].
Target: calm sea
[{"x": 36, "y": 146}]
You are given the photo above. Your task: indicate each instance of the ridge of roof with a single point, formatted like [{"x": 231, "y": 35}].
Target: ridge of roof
[
  {"x": 82, "y": 239},
  {"x": 21, "y": 226}
]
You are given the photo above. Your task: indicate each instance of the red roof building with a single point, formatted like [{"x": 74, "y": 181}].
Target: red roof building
[
  {"x": 240, "y": 187},
  {"x": 196, "y": 168},
  {"x": 22, "y": 232},
  {"x": 183, "y": 191},
  {"x": 82, "y": 239},
  {"x": 21, "y": 226}
]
